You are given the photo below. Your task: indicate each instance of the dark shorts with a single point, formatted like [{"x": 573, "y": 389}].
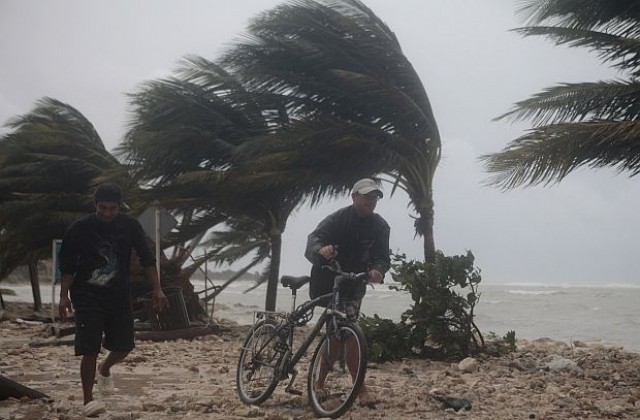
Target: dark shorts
[
  {"x": 351, "y": 308},
  {"x": 92, "y": 324},
  {"x": 350, "y": 295}
]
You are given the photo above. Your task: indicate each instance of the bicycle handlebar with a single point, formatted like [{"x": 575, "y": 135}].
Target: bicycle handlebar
[{"x": 335, "y": 268}]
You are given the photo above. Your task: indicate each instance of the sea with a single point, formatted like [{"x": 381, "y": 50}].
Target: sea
[{"x": 608, "y": 314}]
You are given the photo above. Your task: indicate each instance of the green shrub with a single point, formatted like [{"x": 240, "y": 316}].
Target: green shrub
[
  {"x": 510, "y": 339},
  {"x": 440, "y": 320},
  {"x": 386, "y": 339},
  {"x": 499, "y": 346}
]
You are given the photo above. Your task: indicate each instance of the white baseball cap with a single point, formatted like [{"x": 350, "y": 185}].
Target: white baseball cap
[{"x": 365, "y": 186}]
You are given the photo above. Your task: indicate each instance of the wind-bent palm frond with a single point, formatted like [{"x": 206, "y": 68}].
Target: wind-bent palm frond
[
  {"x": 617, "y": 100},
  {"x": 49, "y": 163},
  {"x": 184, "y": 123},
  {"x": 622, "y": 52},
  {"x": 577, "y": 125},
  {"x": 550, "y": 153},
  {"x": 328, "y": 56},
  {"x": 609, "y": 15}
]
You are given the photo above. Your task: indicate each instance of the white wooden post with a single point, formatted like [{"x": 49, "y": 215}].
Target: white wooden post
[{"x": 157, "y": 239}]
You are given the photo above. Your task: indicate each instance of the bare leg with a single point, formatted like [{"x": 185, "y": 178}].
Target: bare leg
[
  {"x": 112, "y": 358},
  {"x": 324, "y": 366},
  {"x": 352, "y": 353},
  {"x": 351, "y": 357},
  {"x": 88, "y": 375}
]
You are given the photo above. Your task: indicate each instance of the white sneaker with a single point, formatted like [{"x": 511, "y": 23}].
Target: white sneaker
[
  {"x": 93, "y": 408},
  {"x": 105, "y": 384}
]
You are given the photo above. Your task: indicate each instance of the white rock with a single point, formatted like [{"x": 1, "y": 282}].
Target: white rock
[
  {"x": 560, "y": 364},
  {"x": 63, "y": 406},
  {"x": 469, "y": 365}
]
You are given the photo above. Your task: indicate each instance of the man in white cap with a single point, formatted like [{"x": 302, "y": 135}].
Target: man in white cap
[{"x": 358, "y": 239}]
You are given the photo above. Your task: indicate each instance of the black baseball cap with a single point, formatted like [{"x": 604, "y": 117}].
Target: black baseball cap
[{"x": 108, "y": 192}]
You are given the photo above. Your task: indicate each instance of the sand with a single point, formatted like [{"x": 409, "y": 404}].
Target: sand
[{"x": 195, "y": 378}]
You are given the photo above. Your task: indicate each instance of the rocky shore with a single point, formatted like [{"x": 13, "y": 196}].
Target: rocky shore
[{"x": 195, "y": 378}]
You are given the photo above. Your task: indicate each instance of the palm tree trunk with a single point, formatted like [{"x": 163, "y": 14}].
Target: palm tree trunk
[
  {"x": 424, "y": 227},
  {"x": 274, "y": 271},
  {"x": 13, "y": 389},
  {"x": 235, "y": 277}
]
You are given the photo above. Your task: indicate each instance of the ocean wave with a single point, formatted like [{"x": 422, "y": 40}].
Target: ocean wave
[
  {"x": 534, "y": 292},
  {"x": 621, "y": 286},
  {"x": 615, "y": 285},
  {"x": 491, "y": 302}
]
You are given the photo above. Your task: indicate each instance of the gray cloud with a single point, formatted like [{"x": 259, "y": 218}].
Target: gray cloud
[{"x": 90, "y": 54}]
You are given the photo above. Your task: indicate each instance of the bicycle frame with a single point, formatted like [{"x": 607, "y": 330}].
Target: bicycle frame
[{"x": 293, "y": 318}]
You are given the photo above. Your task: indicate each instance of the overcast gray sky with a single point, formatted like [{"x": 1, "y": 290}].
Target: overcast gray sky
[{"x": 89, "y": 54}]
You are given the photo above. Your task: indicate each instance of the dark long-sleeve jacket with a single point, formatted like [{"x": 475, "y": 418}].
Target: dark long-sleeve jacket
[{"x": 363, "y": 243}]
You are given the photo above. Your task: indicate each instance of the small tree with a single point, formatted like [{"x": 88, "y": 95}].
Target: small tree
[{"x": 441, "y": 318}]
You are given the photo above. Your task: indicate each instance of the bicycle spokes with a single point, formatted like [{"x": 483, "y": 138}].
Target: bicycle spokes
[{"x": 256, "y": 374}]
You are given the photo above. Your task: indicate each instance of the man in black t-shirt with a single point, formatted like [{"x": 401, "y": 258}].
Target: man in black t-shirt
[
  {"x": 358, "y": 239},
  {"x": 94, "y": 260}
]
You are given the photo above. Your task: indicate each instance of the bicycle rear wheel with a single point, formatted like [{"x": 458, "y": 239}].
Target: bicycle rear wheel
[
  {"x": 259, "y": 357},
  {"x": 337, "y": 370}
]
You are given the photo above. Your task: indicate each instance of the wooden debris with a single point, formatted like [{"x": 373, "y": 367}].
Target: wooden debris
[{"x": 13, "y": 389}]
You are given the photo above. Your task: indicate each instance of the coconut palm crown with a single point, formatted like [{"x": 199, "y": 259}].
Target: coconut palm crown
[{"x": 589, "y": 124}]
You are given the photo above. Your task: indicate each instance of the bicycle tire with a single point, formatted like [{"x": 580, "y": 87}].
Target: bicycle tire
[
  {"x": 259, "y": 359},
  {"x": 340, "y": 389}
]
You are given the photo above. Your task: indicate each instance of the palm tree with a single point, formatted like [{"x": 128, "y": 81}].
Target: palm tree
[
  {"x": 593, "y": 124},
  {"x": 340, "y": 71},
  {"x": 216, "y": 144},
  {"x": 48, "y": 162}
]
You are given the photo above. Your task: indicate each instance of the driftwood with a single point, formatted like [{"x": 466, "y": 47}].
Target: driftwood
[
  {"x": 59, "y": 332},
  {"x": 9, "y": 389},
  {"x": 193, "y": 331},
  {"x": 184, "y": 333},
  {"x": 52, "y": 343},
  {"x": 36, "y": 317}
]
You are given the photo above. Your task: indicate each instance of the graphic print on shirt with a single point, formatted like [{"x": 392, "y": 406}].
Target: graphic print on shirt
[{"x": 107, "y": 264}]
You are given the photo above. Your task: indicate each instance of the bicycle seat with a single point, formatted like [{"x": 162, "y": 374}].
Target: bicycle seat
[{"x": 293, "y": 282}]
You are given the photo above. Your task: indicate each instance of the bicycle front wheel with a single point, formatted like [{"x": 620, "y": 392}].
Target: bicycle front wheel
[
  {"x": 259, "y": 358},
  {"x": 337, "y": 370}
]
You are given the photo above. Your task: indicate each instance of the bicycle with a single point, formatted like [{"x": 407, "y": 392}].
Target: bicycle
[{"x": 268, "y": 357}]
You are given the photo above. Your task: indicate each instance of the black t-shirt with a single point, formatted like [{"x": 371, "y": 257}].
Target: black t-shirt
[{"x": 98, "y": 255}]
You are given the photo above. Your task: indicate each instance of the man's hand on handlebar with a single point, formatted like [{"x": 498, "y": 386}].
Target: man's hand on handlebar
[
  {"x": 329, "y": 252},
  {"x": 375, "y": 276},
  {"x": 372, "y": 276}
]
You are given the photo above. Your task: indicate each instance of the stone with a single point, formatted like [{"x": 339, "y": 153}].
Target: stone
[
  {"x": 560, "y": 364},
  {"x": 468, "y": 365}
]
